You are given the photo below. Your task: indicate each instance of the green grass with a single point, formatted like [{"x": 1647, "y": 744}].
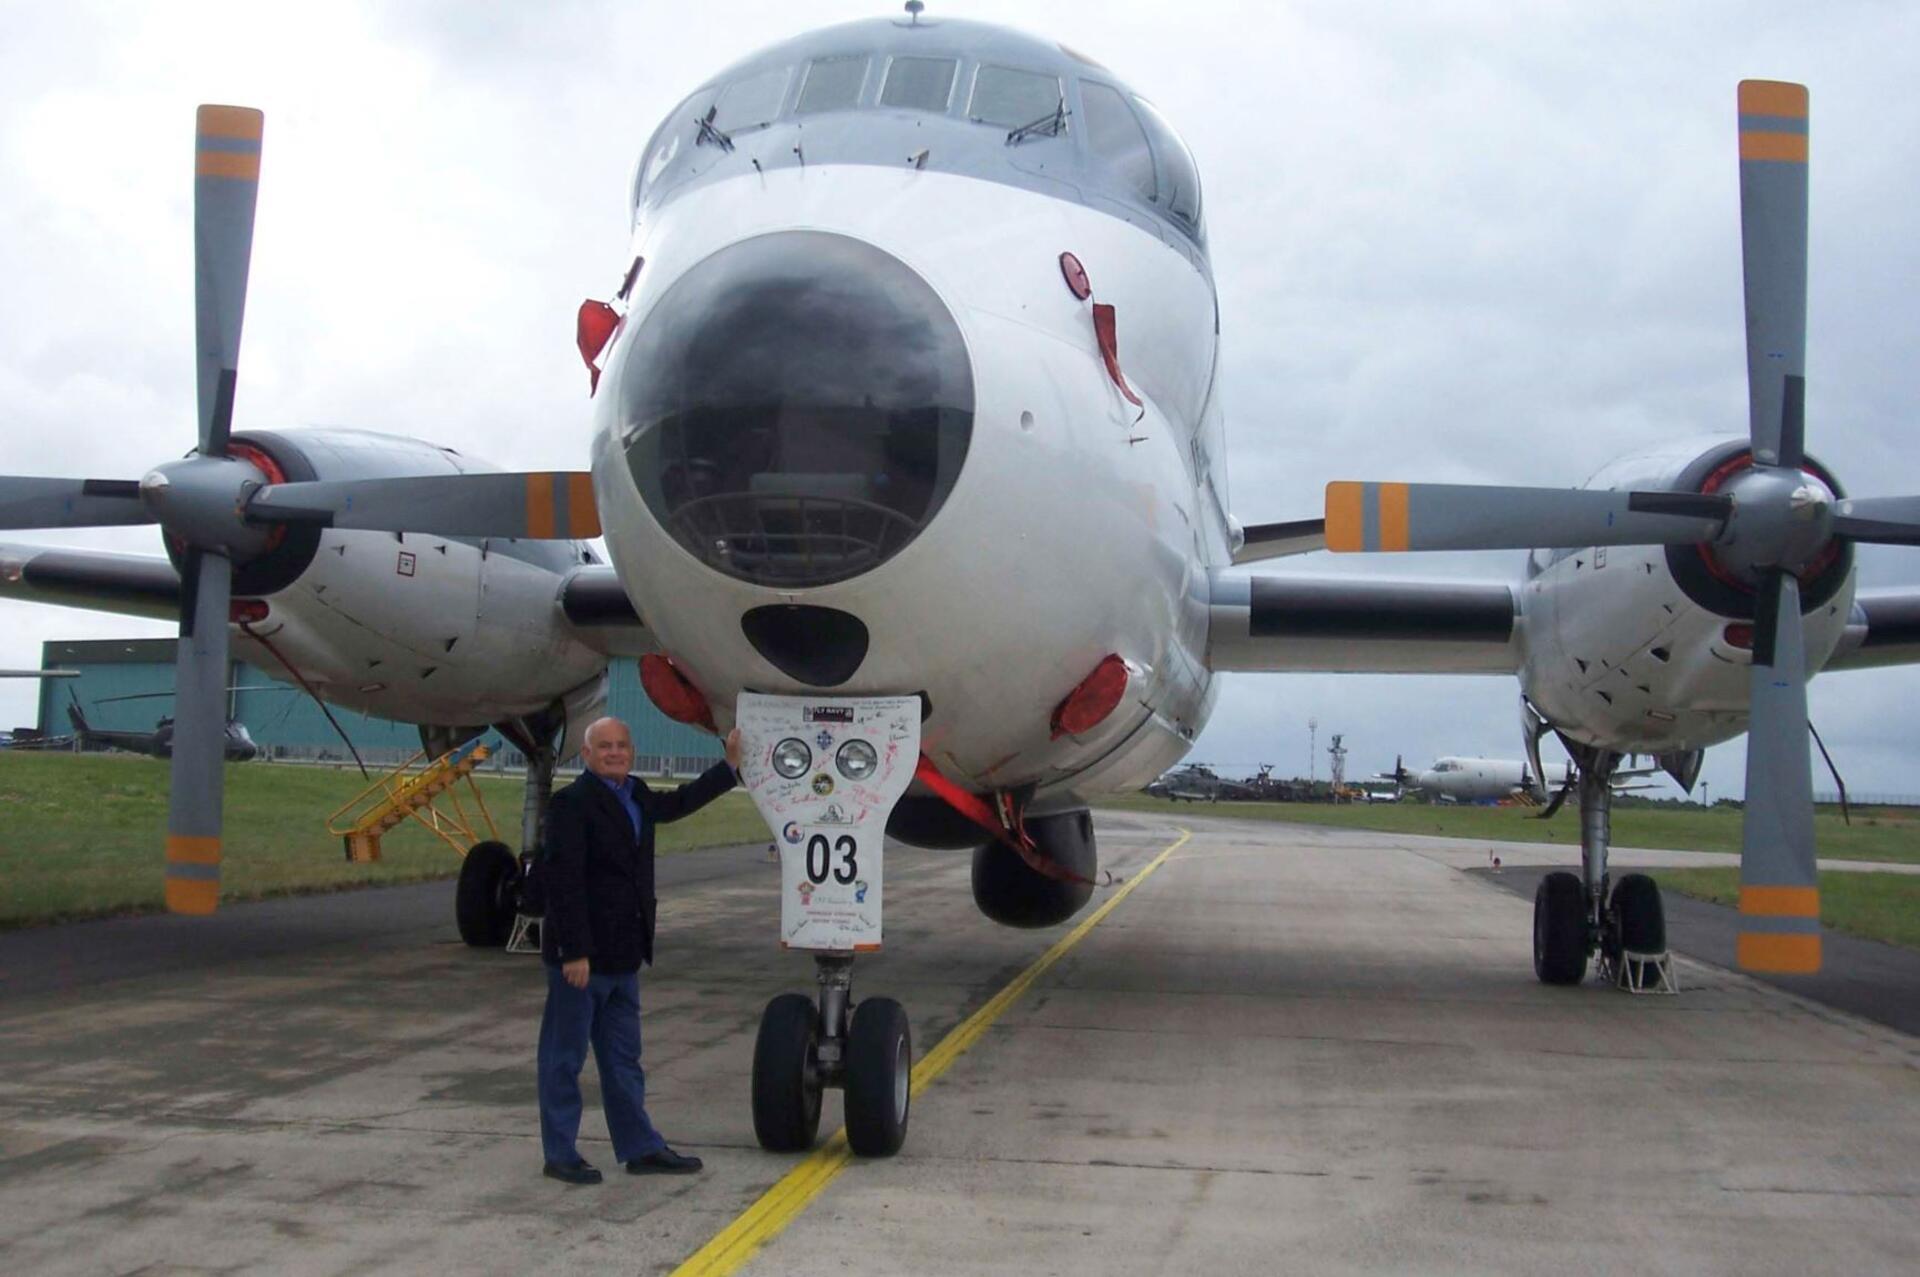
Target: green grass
[
  {"x": 1889, "y": 834},
  {"x": 1877, "y": 906},
  {"x": 82, "y": 835}
]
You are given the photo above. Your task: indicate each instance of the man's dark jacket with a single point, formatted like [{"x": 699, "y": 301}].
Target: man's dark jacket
[{"x": 598, "y": 878}]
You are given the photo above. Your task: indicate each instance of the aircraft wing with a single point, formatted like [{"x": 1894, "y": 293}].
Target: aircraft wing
[
  {"x": 1321, "y": 624},
  {"x": 596, "y": 605},
  {"x": 130, "y": 584},
  {"x": 1884, "y": 629}
]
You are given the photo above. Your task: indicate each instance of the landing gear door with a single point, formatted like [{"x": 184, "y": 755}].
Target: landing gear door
[{"x": 825, "y": 774}]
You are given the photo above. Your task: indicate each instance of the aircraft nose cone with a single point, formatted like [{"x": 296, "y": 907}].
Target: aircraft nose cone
[{"x": 796, "y": 408}]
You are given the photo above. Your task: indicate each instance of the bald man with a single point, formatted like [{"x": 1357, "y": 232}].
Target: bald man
[{"x": 598, "y": 871}]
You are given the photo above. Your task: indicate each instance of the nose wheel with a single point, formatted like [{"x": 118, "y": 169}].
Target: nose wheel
[{"x": 804, "y": 1048}]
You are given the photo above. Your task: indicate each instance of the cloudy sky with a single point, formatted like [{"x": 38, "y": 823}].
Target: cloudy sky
[{"x": 1454, "y": 241}]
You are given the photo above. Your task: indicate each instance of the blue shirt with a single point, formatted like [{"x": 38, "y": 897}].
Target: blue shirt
[{"x": 623, "y": 790}]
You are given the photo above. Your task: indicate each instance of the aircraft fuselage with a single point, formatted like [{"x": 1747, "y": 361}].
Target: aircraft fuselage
[{"x": 933, "y": 443}]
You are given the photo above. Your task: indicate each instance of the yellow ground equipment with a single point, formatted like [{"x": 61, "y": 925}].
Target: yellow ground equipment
[{"x": 411, "y": 790}]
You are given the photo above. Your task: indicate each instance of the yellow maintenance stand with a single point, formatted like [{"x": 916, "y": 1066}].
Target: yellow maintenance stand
[{"x": 410, "y": 791}]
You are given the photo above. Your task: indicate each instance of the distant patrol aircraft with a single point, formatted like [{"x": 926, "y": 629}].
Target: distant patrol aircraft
[
  {"x": 1485, "y": 780},
  {"x": 1476, "y": 780},
  {"x": 911, "y": 388}
]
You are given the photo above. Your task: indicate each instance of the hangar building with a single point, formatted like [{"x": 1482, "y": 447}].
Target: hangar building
[{"x": 286, "y": 723}]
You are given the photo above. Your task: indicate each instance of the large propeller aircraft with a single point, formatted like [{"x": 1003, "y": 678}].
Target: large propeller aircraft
[{"x": 910, "y": 390}]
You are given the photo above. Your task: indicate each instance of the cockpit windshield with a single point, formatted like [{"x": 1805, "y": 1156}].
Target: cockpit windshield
[
  {"x": 919, "y": 84},
  {"x": 832, "y": 84},
  {"x": 751, "y": 103},
  {"x": 955, "y": 97},
  {"x": 1009, "y": 97}
]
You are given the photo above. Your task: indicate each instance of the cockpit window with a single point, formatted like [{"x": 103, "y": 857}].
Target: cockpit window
[
  {"x": 833, "y": 84},
  {"x": 1115, "y": 136},
  {"x": 1179, "y": 178},
  {"x": 1011, "y": 98},
  {"x": 919, "y": 84},
  {"x": 752, "y": 102}
]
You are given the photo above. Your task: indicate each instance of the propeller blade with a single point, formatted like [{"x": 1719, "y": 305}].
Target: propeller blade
[
  {"x": 70, "y": 503},
  {"x": 1881, "y": 520},
  {"x": 1448, "y": 516},
  {"x": 541, "y": 505},
  {"x": 226, "y": 185},
  {"x": 1779, "y": 887},
  {"x": 199, "y": 735},
  {"x": 1773, "y": 244}
]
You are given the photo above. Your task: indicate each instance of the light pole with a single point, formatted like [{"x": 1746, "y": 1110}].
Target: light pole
[
  {"x": 1703, "y": 796},
  {"x": 1313, "y": 736}
]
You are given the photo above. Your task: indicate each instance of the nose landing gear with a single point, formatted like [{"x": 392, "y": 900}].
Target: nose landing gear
[{"x": 804, "y": 1049}]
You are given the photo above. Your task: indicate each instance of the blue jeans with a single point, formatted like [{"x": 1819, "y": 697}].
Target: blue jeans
[{"x": 607, "y": 1014}]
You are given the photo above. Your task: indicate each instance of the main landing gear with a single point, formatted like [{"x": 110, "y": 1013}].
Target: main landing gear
[
  {"x": 803, "y": 1049},
  {"x": 491, "y": 901},
  {"x": 1576, "y": 915}
]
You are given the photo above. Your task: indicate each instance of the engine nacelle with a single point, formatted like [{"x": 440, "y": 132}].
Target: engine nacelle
[{"x": 1012, "y": 894}]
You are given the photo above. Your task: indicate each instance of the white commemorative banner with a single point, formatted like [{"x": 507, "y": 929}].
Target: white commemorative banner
[{"x": 825, "y": 773}]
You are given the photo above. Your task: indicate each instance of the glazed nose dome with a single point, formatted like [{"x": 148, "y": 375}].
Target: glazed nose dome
[{"x": 796, "y": 408}]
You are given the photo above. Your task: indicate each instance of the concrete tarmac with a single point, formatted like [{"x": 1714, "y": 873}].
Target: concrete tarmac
[{"x": 1290, "y": 1049}]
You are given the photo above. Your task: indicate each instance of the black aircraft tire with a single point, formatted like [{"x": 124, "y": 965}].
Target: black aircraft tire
[
  {"x": 488, "y": 895},
  {"x": 786, "y": 1078},
  {"x": 1560, "y": 929},
  {"x": 1639, "y": 914},
  {"x": 879, "y": 1073}
]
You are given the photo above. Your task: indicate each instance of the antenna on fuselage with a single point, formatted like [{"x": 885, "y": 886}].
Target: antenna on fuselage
[{"x": 914, "y": 8}]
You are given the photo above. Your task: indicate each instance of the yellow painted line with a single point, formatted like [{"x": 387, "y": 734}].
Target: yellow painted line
[{"x": 780, "y": 1205}]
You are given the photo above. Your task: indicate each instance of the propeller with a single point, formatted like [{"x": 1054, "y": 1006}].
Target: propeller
[
  {"x": 1769, "y": 524},
  {"x": 226, "y": 187},
  {"x": 217, "y": 509}
]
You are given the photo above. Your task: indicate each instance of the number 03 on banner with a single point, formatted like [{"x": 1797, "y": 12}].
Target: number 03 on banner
[{"x": 825, "y": 775}]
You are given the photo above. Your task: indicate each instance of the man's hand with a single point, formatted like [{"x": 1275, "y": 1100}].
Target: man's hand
[
  {"x": 734, "y": 749},
  {"x": 576, "y": 972}
]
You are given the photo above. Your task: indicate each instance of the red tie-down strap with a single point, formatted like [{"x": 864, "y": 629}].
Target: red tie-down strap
[
  {"x": 1003, "y": 824},
  {"x": 1103, "y": 329},
  {"x": 595, "y": 328}
]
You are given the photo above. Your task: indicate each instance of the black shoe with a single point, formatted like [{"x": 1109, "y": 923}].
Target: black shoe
[
  {"x": 664, "y": 1162},
  {"x": 571, "y": 1172}
]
